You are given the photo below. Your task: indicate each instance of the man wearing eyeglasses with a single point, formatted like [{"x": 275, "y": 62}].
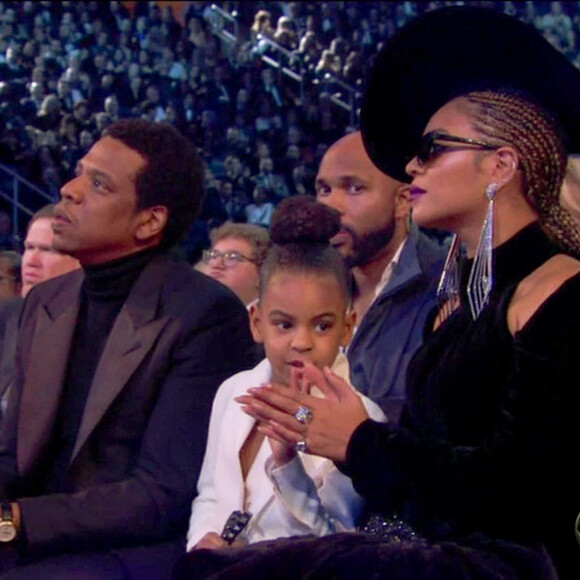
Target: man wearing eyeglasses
[
  {"x": 237, "y": 252},
  {"x": 395, "y": 268}
]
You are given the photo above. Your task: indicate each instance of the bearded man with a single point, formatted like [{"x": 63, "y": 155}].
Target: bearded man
[{"x": 395, "y": 268}]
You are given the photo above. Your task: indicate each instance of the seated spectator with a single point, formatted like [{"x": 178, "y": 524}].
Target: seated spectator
[
  {"x": 11, "y": 68},
  {"x": 154, "y": 97},
  {"x": 235, "y": 258},
  {"x": 302, "y": 180},
  {"x": 339, "y": 48},
  {"x": 268, "y": 123},
  {"x": 309, "y": 51},
  {"x": 109, "y": 498},
  {"x": 104, "y": 88},
  {"x": 285, "y": 34},
  {"x": 352, "y": 71},
  {"x": 66, "y": 95},
  {"x": 260, "y": 212},
  {"x": 9, "y": 274},
  {"x": 328, "y": 63},
  {"x": 270, "y": 87},
  {"x": 196, "y": 33},
  {"x": 218, "y": 90},
  {"x": 234, "y": 168},
  {"x": 82, "y": 115},
  {"x": 117, "y": 63},
  {"x": 102, "y": 121},
  {"x": 302, "y": 315},
  {"x": 111, "y": 107},
  {"x": 30, "y": 106},
  {"x": 49, "y": 115},
  {"x": 270, "y": 180},
  {"x": 237, "y": 142},
  {"x": 86, "y": 140},
  {"x": 233, "y": 203},
  {"x": 132, "y": 95},
  {"x": 70, "y": 148},
  {"x": 262, "y": 25},
  {"x": 40, "y": 260}
]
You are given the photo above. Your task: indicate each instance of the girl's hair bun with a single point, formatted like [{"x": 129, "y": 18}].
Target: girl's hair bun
[{"x": 302, "y": 220}]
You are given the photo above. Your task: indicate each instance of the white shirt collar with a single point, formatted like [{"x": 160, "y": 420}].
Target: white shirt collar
[{"x": 388, "y": 271}]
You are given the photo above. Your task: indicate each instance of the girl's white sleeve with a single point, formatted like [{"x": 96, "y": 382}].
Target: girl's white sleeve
[
  {"x": 317, "y": 497},
  {"x": 205, "y": 516}
]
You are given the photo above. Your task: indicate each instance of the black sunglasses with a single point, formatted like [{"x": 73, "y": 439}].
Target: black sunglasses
[{"x": 429, "y": 148}]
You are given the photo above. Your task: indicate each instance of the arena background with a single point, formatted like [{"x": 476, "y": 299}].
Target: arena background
[{"x": 262, "y": 88}]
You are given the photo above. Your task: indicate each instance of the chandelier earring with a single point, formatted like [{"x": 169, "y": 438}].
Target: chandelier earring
[
  {"x": 448, "y": 287},
  {"x": 480, "y": 281}
]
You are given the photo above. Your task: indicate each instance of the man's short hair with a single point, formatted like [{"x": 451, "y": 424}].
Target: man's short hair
[
  {"x": 173, "y": 175},
  {"x": 257, "y": 236},
  {"x": 46, "y": 211},
  {"x": 14, "y": 260}
]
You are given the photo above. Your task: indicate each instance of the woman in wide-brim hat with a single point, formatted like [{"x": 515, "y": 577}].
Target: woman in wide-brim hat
[{"x": 478, "y": 480}]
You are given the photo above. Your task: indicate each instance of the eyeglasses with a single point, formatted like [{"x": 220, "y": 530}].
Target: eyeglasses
[
  {"x": 429, "y": 148},
  {"x": 230, "y": 259}
]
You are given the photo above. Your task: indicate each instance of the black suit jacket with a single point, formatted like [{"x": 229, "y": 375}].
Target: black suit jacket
[
  {"x": 142, "y": 436},
  {"x": 9, "y": 313}
]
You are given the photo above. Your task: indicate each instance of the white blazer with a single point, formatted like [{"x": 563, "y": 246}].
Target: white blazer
[{"x": 308, "y": 495}]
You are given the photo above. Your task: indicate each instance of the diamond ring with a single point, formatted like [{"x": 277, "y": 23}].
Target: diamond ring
[{"x": 303, "y": 415}]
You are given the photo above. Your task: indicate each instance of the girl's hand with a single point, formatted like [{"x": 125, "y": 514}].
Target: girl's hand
[
  {"x": 282, "y": 450},
  {"x": 211, "y": 541},
  {"x": 334, "y": 417}
]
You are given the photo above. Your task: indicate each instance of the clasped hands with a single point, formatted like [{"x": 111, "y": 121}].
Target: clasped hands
[{"x": 334, "y": 417}]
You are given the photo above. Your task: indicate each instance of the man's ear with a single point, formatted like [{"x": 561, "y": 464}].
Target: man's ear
[
  {"x": 506, "y": 165},
  {"x": 256, "y": 323},
  {"x": 403, "y": 201},
  {"x": 153, "y": 221}
]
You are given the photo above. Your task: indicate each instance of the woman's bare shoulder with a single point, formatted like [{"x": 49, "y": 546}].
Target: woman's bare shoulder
[{"x": 536, "y": 288}]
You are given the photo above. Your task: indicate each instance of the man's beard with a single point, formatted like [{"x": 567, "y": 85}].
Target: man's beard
[{"x": 365, "y": 248}]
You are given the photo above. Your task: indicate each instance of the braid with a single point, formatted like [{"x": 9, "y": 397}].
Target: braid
[{"x": 508, "y": 119}]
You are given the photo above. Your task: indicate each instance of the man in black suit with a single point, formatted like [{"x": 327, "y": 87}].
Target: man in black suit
[
  {"x": 39, "y": 262},
  {"x": 117, "y": 366}
]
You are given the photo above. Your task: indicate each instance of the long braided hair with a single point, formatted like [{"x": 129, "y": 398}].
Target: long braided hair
[{"x": 509, "y": 119}]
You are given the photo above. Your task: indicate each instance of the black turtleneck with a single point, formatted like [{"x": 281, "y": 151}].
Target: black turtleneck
[
  {"x": 103, "y": 293},
  {"x": 457, "y": 377}
]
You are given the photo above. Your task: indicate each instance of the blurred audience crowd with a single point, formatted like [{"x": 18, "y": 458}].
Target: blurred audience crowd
[{"x": 69, "y": 69}]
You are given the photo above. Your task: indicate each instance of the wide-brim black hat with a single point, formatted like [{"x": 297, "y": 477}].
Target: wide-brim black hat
[{"x": 452, "y": 51}]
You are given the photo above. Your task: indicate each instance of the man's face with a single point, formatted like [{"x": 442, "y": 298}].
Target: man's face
[
  {"x": 8, "y": 286},
  {"x": 40, "y": 260},
  {"x": 368, "y": 201},
  {"x": 97, "y": 219},
  {"x": 243, "y": 277}
]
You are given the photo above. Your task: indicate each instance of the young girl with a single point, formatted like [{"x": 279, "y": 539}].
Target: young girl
[{"x": 302, "y": 316}]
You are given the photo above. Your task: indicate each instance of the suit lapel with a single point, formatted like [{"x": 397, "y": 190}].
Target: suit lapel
[
  {"x": 133, "y": 334},
  {"x": 45, "y": 372}
]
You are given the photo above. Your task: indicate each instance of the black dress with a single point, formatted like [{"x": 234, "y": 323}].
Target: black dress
[{"x": 483, "y": 464}]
